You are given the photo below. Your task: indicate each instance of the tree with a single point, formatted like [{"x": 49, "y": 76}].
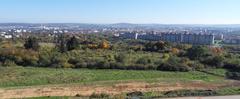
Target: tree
[
  {"x": 196, "y": 52},
  {"x": 32, "y": 43},
  {"x": 104, "y": 45},
  {"x": 174, "y": 64},
  {"x": 160, "y": 45},
  {"x": 150, "y": 46},
  {"x": 61, "y": 43},
  {"x": 216, "y": 61},
  {"x": 156, "y": 46},
  {"x": 144, "y": 61},
  {"x": 122, "y": 58},
  {"x": 175, "y": 51},
  {"x": 217, "y": 51},
  {"x": 72, "y": 43}
]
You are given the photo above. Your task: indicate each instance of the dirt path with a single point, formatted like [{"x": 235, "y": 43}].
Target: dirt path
[{"x": 73, "y": 90}]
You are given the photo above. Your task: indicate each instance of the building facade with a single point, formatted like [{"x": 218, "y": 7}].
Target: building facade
[{"x": 186, "y": 38}]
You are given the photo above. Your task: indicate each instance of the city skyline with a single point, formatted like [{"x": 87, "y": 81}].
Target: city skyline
[{"x": 121, "y": 11}]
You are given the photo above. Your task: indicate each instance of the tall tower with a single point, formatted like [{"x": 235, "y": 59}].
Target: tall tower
[{"x": 136, "y": 36}]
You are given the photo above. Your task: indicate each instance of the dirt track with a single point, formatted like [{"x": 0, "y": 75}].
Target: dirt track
[{"x": 73, "y": 90}]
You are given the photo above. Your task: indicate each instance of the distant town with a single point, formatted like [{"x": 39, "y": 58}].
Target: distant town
[{"x": 187, "y": 34}]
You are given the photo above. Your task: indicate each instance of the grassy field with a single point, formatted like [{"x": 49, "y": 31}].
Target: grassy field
[
  {"x": 30, "y": 76},
  {"x": 217, "y": 72}
]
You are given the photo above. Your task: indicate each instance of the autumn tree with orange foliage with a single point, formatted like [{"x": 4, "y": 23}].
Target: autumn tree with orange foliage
[
  {"x": 104, "y": 45},
  {"x": 217, "y": 50},
  {"x": 175, "y": 51}
]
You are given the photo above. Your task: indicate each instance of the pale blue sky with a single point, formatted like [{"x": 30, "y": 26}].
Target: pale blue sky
[{"x": 119, "y": 11}]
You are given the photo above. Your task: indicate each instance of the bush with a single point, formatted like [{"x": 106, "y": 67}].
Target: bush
[
  {"x": 97, "y": 96},
  {"x": 197, "y": 52},
  {"x": 233, "y": 75},
  {"x": 144, "y": 61},
  {"x": 78, "y": 63},
  {"x": 174, "y": 67},
  {"x": 121, "y": 57},
  {"x": 185, "y": 93},
  {"x": 136, "y": 93},
  {"x": 233, "y": 65},
  {"x": 174, "y": 64},
  {"x": 9, "y": 63},
  {"x": 44, "y": 60},
  {"x": 60, "y": 61},
  {"x": 216, "y": 61},
  {"x": 103, "y": 65},
  {"x": 196, "y": 65},
  {"x": 19, "y": 56},
  {"x": 117, "y": 65}
]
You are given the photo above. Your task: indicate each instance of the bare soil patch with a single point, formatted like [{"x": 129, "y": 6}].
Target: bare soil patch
[{"x": 118, "y": 88}]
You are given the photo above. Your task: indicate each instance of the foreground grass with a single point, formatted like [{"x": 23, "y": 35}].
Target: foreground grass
[{"x": 30, "y": 76}]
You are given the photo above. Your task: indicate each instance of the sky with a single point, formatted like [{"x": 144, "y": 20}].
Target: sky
[{"x": 121, "y": 11}]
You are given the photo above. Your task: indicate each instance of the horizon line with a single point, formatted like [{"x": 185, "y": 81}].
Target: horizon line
[{"x": 119, "y": 23}]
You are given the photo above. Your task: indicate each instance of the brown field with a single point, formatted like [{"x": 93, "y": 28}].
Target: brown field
[{"x": 118, "y": 88}]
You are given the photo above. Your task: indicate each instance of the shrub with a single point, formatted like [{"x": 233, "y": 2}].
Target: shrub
[
  {"x": 184, "y": 93},
  {"x": 32, "y": 43},
  {"x": 122, "y": 58},
  {"x": 60, "y": 61},
  {"x": 196, "y": 65},
  {"x": 97, "y": 96},
  {"x": 144, "y": 61},
  {"x": 233, "y": 65},
  {"x": 19, "y": 56},
  {"x": 103, "y": 64},
  {"x": 136, "y": 93},
  {"x": 9, "y": 63},
  {"x": 174, "y": 67},
  {"x": 117, "y": 65},
  {"x": 216, "y": 61},
  {"x": 197, "y": 52},
  {"x": 174, "y": 64},
  {"x": 47, "y": 57},
  {"x": 78, "y": 62},
  {"x": 44, "y": 60},
  {"x": 233, "y": 75}
]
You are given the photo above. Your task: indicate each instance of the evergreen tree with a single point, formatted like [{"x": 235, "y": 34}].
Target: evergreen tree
[
  {"x": 61, "y": 43},
  {"x": 72, "y": 43},
  {"x": 32, "y": 43}
]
